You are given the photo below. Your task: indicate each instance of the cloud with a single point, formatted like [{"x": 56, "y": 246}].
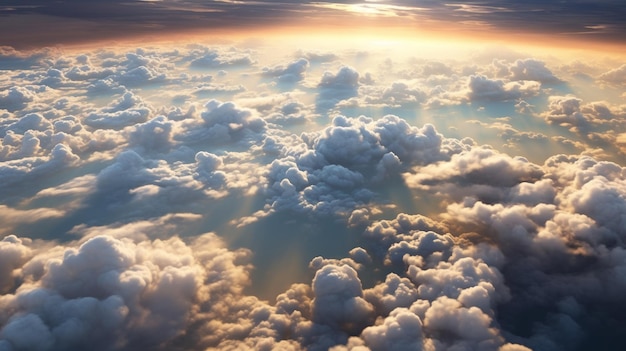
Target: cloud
[
  {"x": 16, "y": 173},
  {"x": 521, "y": 229},
  {"x": 126, "y": 111},
  {"x": 565, "y": 110},
  {"x": 410, "y": 230},
  {"x": 85, "y": 70},
  {"x": 336, "y": 87},
  {"x": 140, "y": 76},
  {"x": 153, "y": 136},
  {"x": 512, "y": 137},
  {"x": 15, "y": 59},
  {"x": 395, "y": 292},
  {"x": 292, "y": 112},
  {"x": 12, "y": 217},
  {"x": 110, "y": 291},
  {"x": 338, "y": 299},
  {"x": 479, "y": 166},
  {"x": 331, "y": 174},
  {"x": 207, "y": 171},
  {"x": 401, "y": 330},
  {"x": 223, "y": 122},
  {"x": 291, "y": 73},
  {"x": 317, "y": 56},
  {"x": 14, "y": 255},
  {"x": 207, "y": 58},
  {"x": 532, "y": 69},
  {"x": 596, "y": 123},
  {"x": 483, "y": 88},
  {"x": 16, "y": 98},
  {"x": 598, "y": 20},
  {"x": 399, "y": 94},
  {"x": 451, "y": 289},
  {"x": 31, "y": 121},
  {"x": 615, "y": 76}
]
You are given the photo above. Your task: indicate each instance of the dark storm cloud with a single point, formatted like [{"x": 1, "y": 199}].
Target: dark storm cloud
[{"x": 40, "y": 22}]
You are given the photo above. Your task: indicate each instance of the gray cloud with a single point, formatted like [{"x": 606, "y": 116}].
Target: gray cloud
[{"x": 293, "y": 72}]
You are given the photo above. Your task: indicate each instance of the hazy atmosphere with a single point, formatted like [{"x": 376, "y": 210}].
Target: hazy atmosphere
[{"x": 343, "y": 175}]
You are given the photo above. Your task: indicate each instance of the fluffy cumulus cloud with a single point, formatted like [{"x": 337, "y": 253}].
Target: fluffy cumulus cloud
[
  {"x": 128, "y": 110},
  {"x": 222, "y": 122},
  {"x": 203, "y": 57},
  {"x": 597, "y": 123},
  {"x": 336, "y": 169},
  {"x": 338, "y": 299},
  {"x": 209, "y": 198},
  {"x": 16, "y": 98},
  {"x": 549, "y": 231},
  {"x": 112, "y": 293}
]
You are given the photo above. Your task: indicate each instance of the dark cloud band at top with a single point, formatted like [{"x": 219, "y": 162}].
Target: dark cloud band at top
[{"x": 36, "y": 22}]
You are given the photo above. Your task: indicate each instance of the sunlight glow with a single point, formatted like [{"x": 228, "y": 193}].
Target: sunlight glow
[{"x": 366, "y": 9}]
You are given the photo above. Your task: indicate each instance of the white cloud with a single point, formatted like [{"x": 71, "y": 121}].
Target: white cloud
[
  {"x": 223, "y": 122},
  {"x": 120, "y": 162},
  {"x": 483, "y": 88},
  {"x": 111, "y": 291},
  {"x": 532, "y": 69},
  {"x": 336, "y": 168},
  {"x": 208, "y": 58},
  {"x": 336, "y": 87},
  {"x": 401, "y": 330},
  {"x": 615, "y": 76},
  {"x": 339, "y": 299},
  {"x": 16, "y": 98}
]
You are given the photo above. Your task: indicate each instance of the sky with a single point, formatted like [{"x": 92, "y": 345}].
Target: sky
[
  {"x": 347, "y": 176},
  {"x": 34, "y": 23}
]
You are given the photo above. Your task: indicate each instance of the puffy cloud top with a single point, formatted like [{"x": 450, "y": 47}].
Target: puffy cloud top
[{"x": 367, "y": 228}]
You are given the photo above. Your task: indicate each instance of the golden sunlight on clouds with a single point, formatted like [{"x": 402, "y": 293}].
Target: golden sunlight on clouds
[{"x": 367, "y": 9}]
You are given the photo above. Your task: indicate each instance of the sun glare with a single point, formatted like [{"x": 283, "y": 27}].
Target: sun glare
[{"x": 365, "y": 9}]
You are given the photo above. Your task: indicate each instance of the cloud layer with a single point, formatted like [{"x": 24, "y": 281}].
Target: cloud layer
[{"x": 200, "y": 198}]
